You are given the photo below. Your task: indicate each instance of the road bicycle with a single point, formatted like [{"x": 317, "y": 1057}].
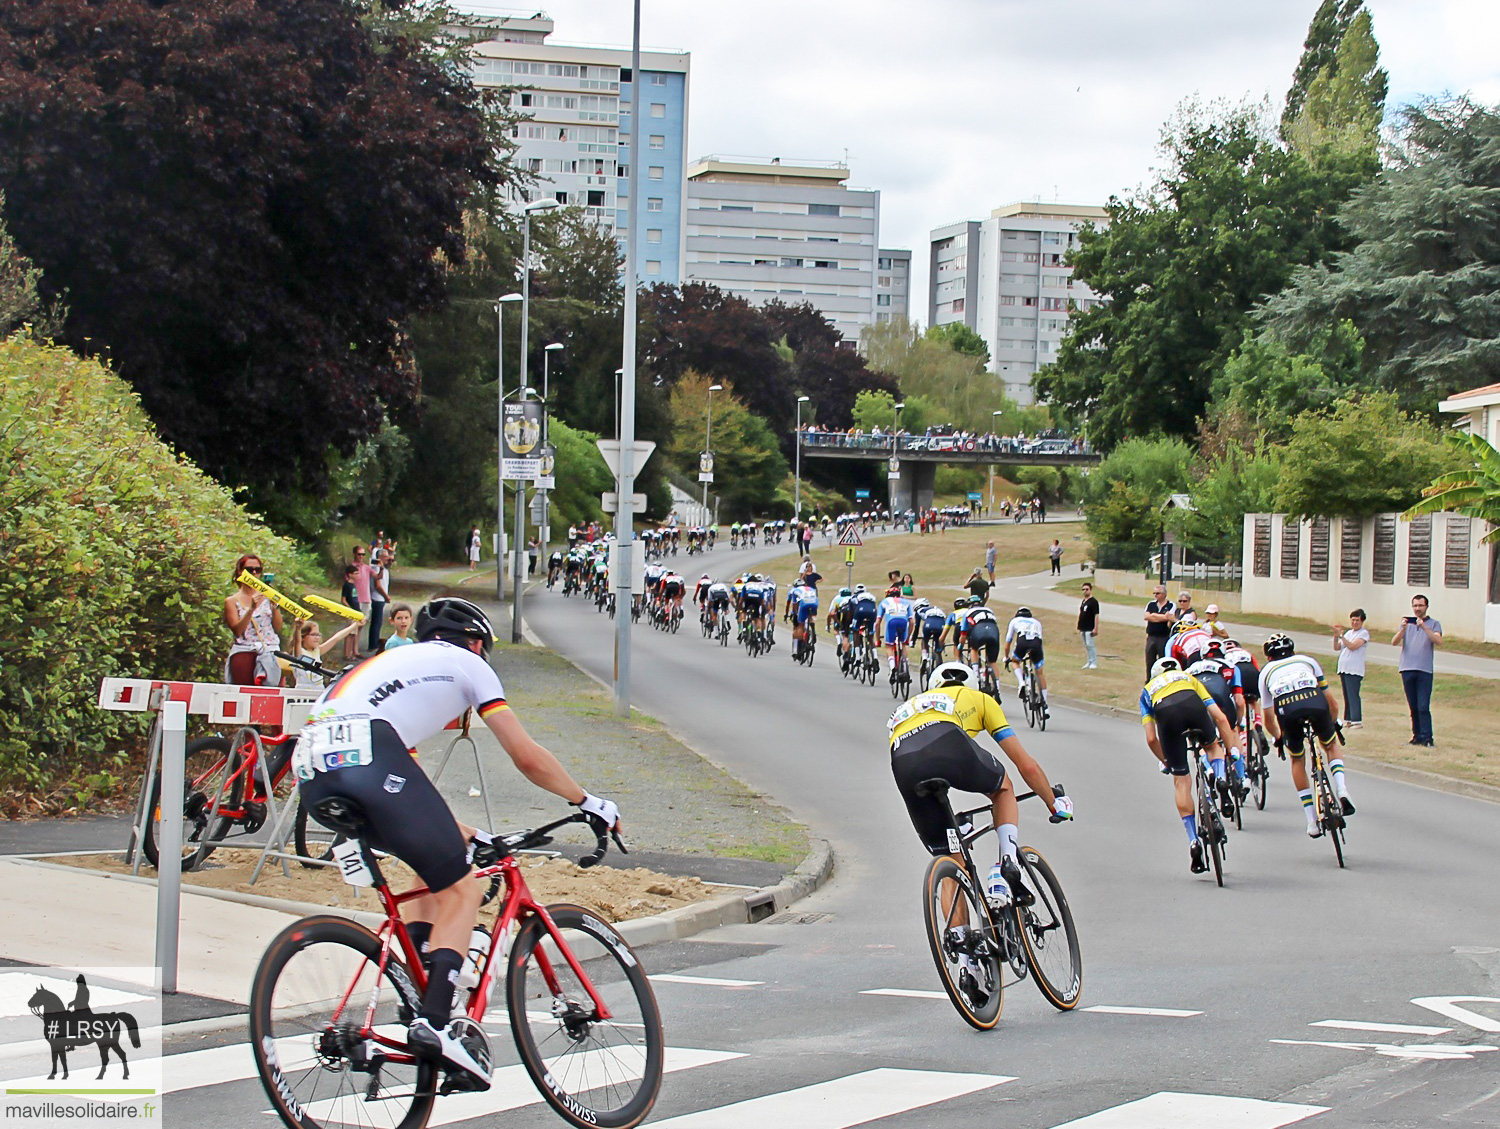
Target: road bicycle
[
  {"x": 1257, "y": 766},
  {"x": 1032, "y": 702},
  {"x": 869, "y": 661},
  {"x": 1326, "y": 806},
  {"x": 705, "y": 620},
  {"x": 973, "y": 943},
  {"x": 932, "y": 658},
  {"x": 901, "y": 678},
  {"x": 1211, "y": 832},
  {"x": 985, "y": 681},
  {"x": 723, "y": 629},
  {"x": 331, "y": 1001},
  {"x": 805, "y": 648}
]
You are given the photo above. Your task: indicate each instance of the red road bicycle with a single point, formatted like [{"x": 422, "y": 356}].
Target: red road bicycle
[{"x": 331, "y": 1001}]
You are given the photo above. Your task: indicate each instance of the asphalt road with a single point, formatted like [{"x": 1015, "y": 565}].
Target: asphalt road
[{"x": 1269, "y": 988}]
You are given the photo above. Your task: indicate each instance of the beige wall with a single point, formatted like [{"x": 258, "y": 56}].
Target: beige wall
[{"x": 1463, "y": 611}]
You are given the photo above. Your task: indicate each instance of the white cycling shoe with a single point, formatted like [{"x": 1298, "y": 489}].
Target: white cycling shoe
[{"x": 462, "y": 1045}]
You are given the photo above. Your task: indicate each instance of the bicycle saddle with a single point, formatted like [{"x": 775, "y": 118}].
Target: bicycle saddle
[
  {"x": 935, "y": 787},
  {"x": 340, "y": 814}
]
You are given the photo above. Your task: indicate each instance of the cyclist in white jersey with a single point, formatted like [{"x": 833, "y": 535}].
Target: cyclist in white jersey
[
  {"x": 1294, "y": 691},
  {"x": 1023, "y": 639},
  {"x": 355, "y": 747}
]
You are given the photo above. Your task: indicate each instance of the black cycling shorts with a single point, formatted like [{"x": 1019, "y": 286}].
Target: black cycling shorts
[
  {"x": 750, "y": 605},
  {"x": 1249, "y": 680},
  {"x": 670, "y": 588},
  {"x": 941, "y": 750},
  {"x": 407, "y": 816},
  {"x": 1177, "y": 715},
  {"x": 986, "y": 637},
  {"x": 718, "y": 602},
  {"x": 1026, "y": 647},
  {"x": 1292, "y": 717}
]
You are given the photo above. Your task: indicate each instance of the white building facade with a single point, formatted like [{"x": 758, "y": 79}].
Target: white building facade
[
  {"x": 1006, "y": 279},
  {"x": 583, "y": 127},
  {"x": 892, "y": 285},
  {"x": 764, "y": 228}
]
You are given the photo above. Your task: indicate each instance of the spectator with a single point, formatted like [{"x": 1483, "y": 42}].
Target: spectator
[
  {"x": 1088, "y": 626},
  {"x": 1211, "y": 621},
  {"x": 989, "y": 560},
  {"x": 380, "y": 578},
  {"x": 255, "y": 624},
  {"x": 351, "y": 600},
  {"x": 532, "y": 550},
  {"x": 908, "y": 585},
  {"x": 474, "y": 548},
  {"x": 1350, "y": 644},
  {"x": 1161, "y": 613},
  {"x": 401, "y": 621},
  {"x": 1054, "y": 553},
  {"x": 1185, "y": 607},
  {"x": 979, "y": 586},
  {"x": 308, "y": 643},
  {"x": 1417, "y": 636}
]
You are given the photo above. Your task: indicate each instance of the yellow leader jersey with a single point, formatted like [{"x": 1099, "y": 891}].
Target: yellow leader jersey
[{"x": 969, "y": 709}]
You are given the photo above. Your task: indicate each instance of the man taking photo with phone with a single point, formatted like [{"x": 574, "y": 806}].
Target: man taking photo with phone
[{"x": 1418, "y": 636}]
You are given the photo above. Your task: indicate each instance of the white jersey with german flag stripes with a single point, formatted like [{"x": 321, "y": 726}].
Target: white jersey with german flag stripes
[{"x": 417, "y": 689}]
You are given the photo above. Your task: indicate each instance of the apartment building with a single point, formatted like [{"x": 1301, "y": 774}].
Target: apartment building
[
  {"x": 586, "y": 114},
  {"x": 892, "y": 285},
  {"x": 765, "y": 228},
  {"x": 1005, "y": 278}
]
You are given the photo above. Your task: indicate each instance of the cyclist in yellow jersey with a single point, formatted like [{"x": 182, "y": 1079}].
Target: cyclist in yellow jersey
[
  {"x": 1174, "y": 704},
  {"x": 932, "y": 737}
]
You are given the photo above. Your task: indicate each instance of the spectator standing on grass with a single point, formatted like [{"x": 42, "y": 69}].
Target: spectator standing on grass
[
  {"x": 1417, "y": 637},
  {"x": 1054, "y": 553},
  {"x": 1088, "y": 626},
  {"x": 362, "y": 580},
  {"x": 474, "y": 542},
  {"x": 1161, "y": 613},
  {"x": 1185, "y": 608},
  {"x": 380, "y": 578},
  {"x": 978, "y": 586},
  {"x": 1350, "y": 643},
  {"x": 989, "y": 560},
  {"x": 350, "y": 597}
]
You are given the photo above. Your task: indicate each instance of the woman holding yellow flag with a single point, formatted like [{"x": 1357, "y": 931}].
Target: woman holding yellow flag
[{"x": 255, "y": 623}]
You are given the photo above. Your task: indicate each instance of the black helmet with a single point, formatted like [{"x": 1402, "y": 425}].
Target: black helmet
[
  {"x": 1279, "y": 646},
  {"x": 453, "y": 619},
  {"x": 1023, "y": 613}
]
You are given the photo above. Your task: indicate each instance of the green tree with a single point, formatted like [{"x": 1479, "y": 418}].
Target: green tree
[
  {"x": 961, "y": 339},
  {"x": 1223, "y": 491},
  {"x": 1365, "y": 456},
  {"x": 1345, "y": 102},
  {"x": 1126, "y": 491},
  {"x": 1474, "y": 489},
  {"x": 18, "y": 282},
  {"x": 1422, "y": 285},
  {"x": 748, "y": 464},
  {"x": 582, "y": 476},
  {"x": 1324, "y": 34},
  {"x": 1181, "y": 267},
  {"x": 878, "y": 409},
  {"x": 1265, "y": 381}
]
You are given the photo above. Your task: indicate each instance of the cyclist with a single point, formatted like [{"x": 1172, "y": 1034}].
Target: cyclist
[
  {"x": 1222, "y": 681},
  {"x": 752, "y": 603},
  {"x": 1294, "y": 687},
  {"x": 933, "y": 622},
  {"x": 840, "y": 617},
  {"x": 1249, "y": 670},
  {"x": 896, "y": 617},
  {"x": 356, "y": 746},
  {"x": 979, "y": 632},
  {"x": 718, "y": 602},
  {"x": 700, "y": 590},
  {"x": 1023, "y": 640},
  {"x": 673, "y": 588},
  {"x": 1188, "y": 641},
  {"x": 554, "y": 566},
  {"x": 1174, "y": 704},
  {"x": 734, "y": 536},
  {"x": 864, "y": 614},
  {"x": 801, "y": 606},
  {"x": 932, "y": 736}
]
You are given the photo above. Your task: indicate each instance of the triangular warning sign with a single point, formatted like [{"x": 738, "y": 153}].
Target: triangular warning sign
[{"x": 850, "y": 536}]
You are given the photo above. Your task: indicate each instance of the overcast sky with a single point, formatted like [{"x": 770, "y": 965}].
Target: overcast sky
[{"x": 954, "y": 107}]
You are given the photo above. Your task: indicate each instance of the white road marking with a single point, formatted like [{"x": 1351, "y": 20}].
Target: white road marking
[
  {"x": 842, "y": 1102},
  {"x": 913, "y": 993},
  {"x": 1447, "y": 1006},
  {"x": 1382, "y": 1028},
  {"x": 706, "y": 981},
  {"x": 1193, "y": 1111},
  {"x": 1432, "y": 1052},
  {"x": 1168, "y": 1012}
]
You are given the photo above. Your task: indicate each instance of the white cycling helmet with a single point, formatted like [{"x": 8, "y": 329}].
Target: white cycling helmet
[
  {"x": 1161, "y": 666},
  {"x": 951, "y": 672}
]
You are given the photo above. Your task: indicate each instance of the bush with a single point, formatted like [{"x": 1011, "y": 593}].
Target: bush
[{"x": 117, "y": 558}]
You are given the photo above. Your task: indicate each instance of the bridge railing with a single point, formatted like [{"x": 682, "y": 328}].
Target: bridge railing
[{"x": 940, "y": 444}]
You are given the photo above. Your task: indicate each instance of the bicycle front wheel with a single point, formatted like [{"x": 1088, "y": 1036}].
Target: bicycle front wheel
[
  {"x": 209, "y": 762},
  {"x": 592, "y": 1070},
  {"x": 313, "y": 1044},
  {"x": 967, "y": 960},
  {"x": 1049, "y": 935}
]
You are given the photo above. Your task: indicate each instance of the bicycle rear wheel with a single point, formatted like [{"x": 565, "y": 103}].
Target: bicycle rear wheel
[
  {"x": 967, "y": 960},
  {"x": 315, "y": 842},
  {"x": 592, "y": 1071},
  {"x": 209, "y": 764},
  {"x": 1037, "y": 702},
  {"x": 1049, "y": 935},
  {"x": 313, "y": 1048}
]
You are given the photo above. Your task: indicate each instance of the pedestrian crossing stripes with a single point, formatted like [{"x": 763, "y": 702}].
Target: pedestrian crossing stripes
[
  {"x": 1166, "y": 1012},
  {"x": 1168, "y": 1110},
  {"x": 705, "y": 981},
  {"x": 1382, "y": 1028},
  {"x": 908, "y": 993}
]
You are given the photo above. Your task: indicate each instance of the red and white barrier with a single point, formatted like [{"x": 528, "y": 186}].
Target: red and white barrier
[{"x": 221, "y": 704}]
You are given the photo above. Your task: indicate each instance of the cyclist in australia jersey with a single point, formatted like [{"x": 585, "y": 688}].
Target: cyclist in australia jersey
[
  {"x": 355, "y": 746},
  {"x": 932, "y": 737},
  {"x": 896, "y": 617},
  {"x": 1023, "y": 640},
  {"x": 1294, "y": 688},
  {"x": 1174, "y": 704},
  {"x": 801, "y": 606}
]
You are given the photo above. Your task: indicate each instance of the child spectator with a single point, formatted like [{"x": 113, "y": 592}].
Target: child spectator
[
  {"x": 401, "y": 620},
  {"x": 308, "y": 643},
  {"x": 351, "y": 600}
]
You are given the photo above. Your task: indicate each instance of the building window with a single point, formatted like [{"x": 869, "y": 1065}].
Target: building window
[
  {"x": 958, "y": 304},
  {"x": 1317, "y": 550},
  {"x": 1031, "y": 257},
  {"x": 624, "y": 170},
  {"x": 560, "y": 197},
  {"x": 1456, "y": 554},
  {"x": 885, "y": 299},
  {"x": 596, "y": 197},
  {"x": 882, "y": 317},
  {"x": 653, "y": 235},
  {"x": 658, "y": 109},
  {"x": 789, "y": 262},
  {"x": 657, "y": 141},
  {"x": 1028, "y": 301},
  {"x": 1007, "y": 299},
  {"x": 1351, "y": 542},
  {"x": 1291, "y": 547},
  {"x": 1384, "y": 568},
  {"x": 658, "y": 80},
  {"x": 883, "y": 280},
  {"x": 1419, "y": 551},
  {"x": 625, "y": 75},
  {"x": 653, "y": 203},
  {"x": 822, "y": 209},
  {"x": 1261, "y": 553},
  {"x": 655, "y": 172},
  {"x": 653, "y": 266},
  {"x": 825, "y": 264},
  {"x": 883, "y": 263}
]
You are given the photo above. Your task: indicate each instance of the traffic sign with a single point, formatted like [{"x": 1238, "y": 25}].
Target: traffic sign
[
  {"x": 849, "y": 555},
  {"x": 860, "y": 495},
  {"x": 610, "y": 502},
  {"x": 610, "y": 449},
  {"x": 850, "y": 536}
]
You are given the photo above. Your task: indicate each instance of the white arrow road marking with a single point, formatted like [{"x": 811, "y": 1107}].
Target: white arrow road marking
[
  {"x": 706, "y": 981},
  {"x": 1427, "y": 1051},
  {"x": 912, "y": 993},
  {"x": 1448, "y": 1006},
  {"x": 1382, "y": 1028},
  {"x": 1194, "y": 1111}
]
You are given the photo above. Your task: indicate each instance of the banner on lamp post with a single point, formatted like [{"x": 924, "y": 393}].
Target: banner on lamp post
[
  {"x": 520, "y": 455},
  {"x": 706, "y": 466},
  {"x": 546, "y": 478}
]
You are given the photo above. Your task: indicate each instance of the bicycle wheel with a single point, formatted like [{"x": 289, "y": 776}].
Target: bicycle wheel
[
  {"x": 210, "y": 762},
  {"x": 1259, "y": 774},
  {"x": 592, "y": 1071},
  {"x": 1049, "y": 935},
  {"x": 308, "y": 1032},
  {"x": 314, "y": 841},
  {"x": 1206, "y": 820},
  {"x": 968, "y": 962},
  {"x": 1331, "y": 815},
  {"x": 1038, "y": 703}
]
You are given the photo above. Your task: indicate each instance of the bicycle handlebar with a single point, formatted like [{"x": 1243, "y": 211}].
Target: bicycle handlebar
[
  {"x": 307, "y": 664},
  {"x": 541, "y": 836}
]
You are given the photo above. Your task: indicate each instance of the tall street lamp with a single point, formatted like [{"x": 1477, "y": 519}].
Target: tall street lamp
[
  {"x": 619, "y": 372},
  {"x": 891, "y": 491},
  {"x": 547, "y": 439},
  {"x": 797, "y": 488},
  {"x": 500, "y": 304},
  {"x": 996, "y": 414},
  {"x": 708, "y": 440},
  {"x": 519, "y": 541}
]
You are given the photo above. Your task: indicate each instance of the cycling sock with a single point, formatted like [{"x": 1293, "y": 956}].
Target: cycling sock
[
  {"x": 437, "y": 1001},
  {"x": 420, "y": 933},
  {"x": 1217, "y": 764},
  {"x": 1306, "y": 796},
  {"x": 1009, "y": 844},
  {"x": 1190, "y": 822},
  {"x": 1044, "y": 695}
]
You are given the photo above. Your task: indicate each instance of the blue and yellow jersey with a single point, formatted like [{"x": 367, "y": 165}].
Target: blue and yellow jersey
[
  {"x": 969, "y": 709},
  {"x": 1164, "y": 685}
]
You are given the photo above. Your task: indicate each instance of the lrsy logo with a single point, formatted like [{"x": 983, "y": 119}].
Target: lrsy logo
[{"x": 68, "y": 1028}]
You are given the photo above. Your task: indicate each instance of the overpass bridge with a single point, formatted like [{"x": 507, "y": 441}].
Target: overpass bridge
[{"x": 912, "y": 460}]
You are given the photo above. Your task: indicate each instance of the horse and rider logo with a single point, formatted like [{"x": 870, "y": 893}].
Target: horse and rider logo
[{"x": 68, "y": 1028}]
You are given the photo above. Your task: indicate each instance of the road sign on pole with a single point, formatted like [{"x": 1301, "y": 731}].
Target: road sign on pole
[
  {"x": 850, "y": 536},
  {"x": 610, "y": 449},
  {"x": 849, "y": 555}
]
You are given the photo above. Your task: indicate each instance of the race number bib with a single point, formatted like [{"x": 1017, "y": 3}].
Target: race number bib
[
  {"x": 1289, "y": 680},
  {"x": 351, "y": 863},
  {"x": 338, "y": 742},
  {"x": 923, "y": 703}
]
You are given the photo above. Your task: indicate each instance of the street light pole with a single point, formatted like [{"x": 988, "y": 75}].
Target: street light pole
[
  {"x": 797, "y": 474},
  {"x": 546, "y": 441},
  {"x": 994, "y": 434},
  {"x": 500, "y": 304},
  {"x": 708, "y": 440}
]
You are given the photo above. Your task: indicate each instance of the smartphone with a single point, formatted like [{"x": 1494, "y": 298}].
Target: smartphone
[{"x": 1411, "y": 619}]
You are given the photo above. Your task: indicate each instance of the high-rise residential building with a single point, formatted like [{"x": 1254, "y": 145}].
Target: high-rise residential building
[
  {"x": 588, "y": 118},
  {"x": 892, "y": 285},
  {"x": 763, "y": 228},
  {"x": 1005, "y": 278}
]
